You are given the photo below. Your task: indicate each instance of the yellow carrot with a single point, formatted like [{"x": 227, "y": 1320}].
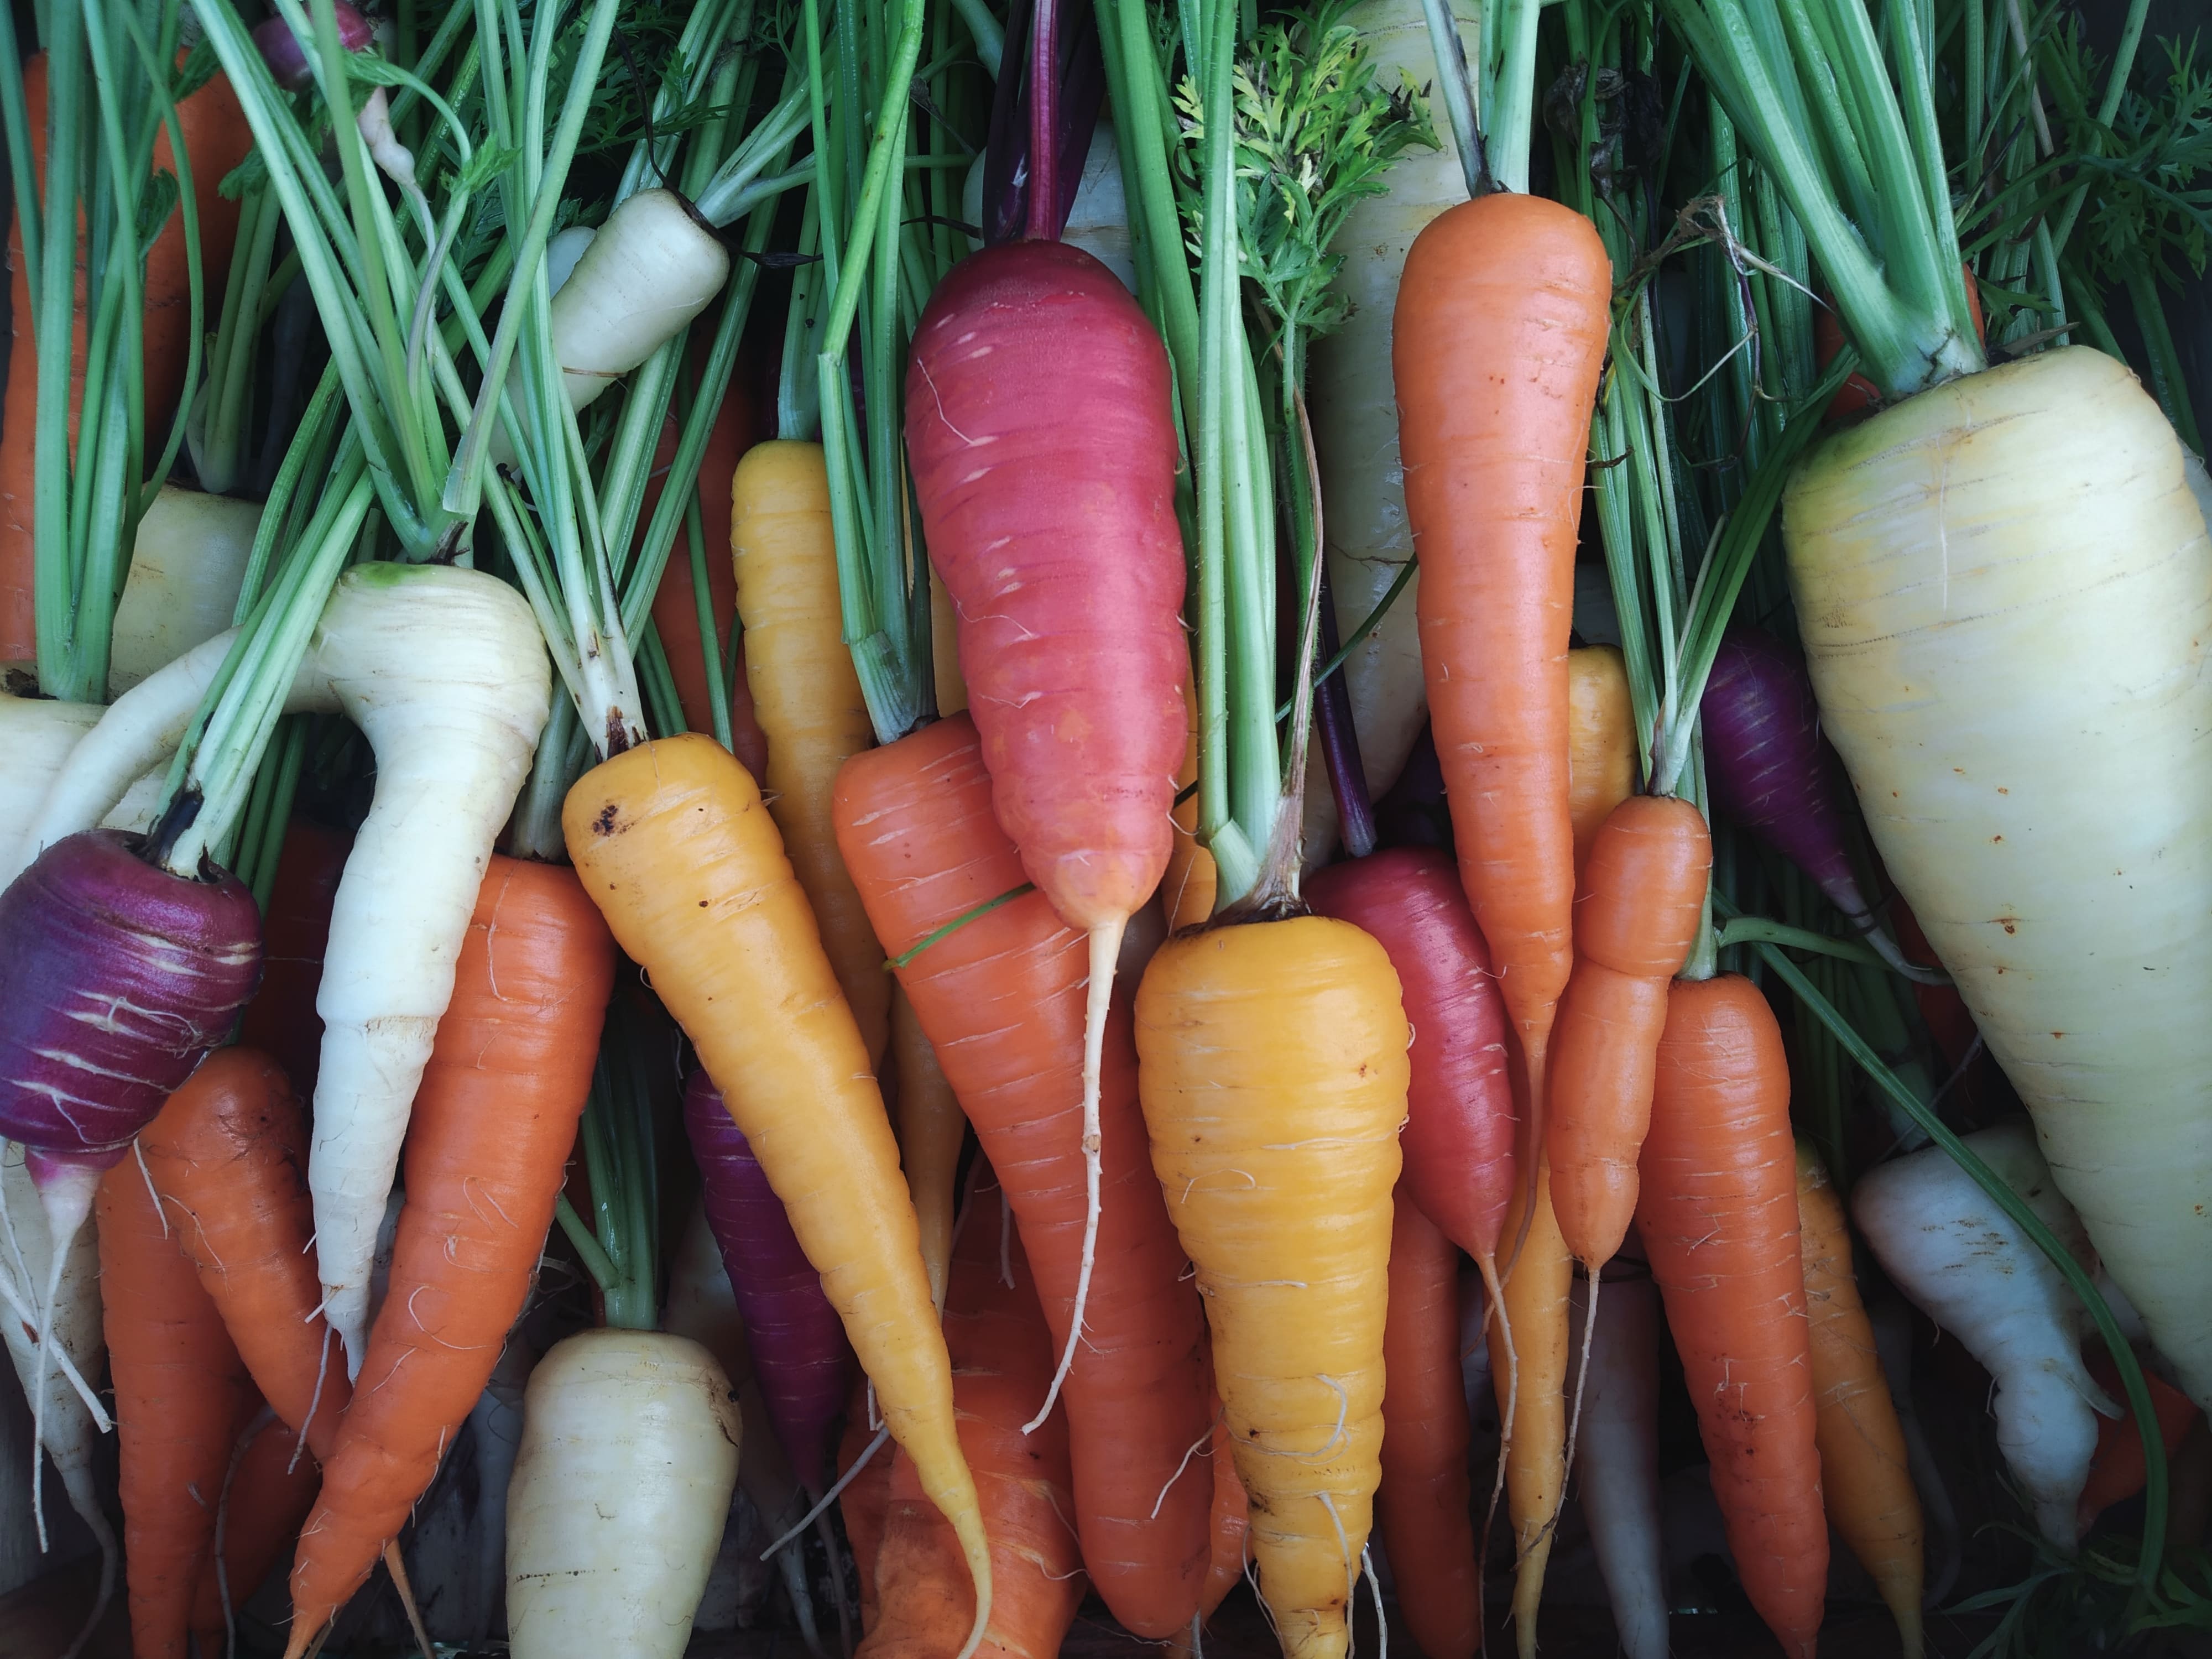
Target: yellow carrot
[
  {"x": 806, "y": 696},
  {"x": 1536, "y": 1292},
  {"x": 672, "y": 840},
  {"x": 1864, "y": 1478},
  {"x": 1272, "y": 1068}
]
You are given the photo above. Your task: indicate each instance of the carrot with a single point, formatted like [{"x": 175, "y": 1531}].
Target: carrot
[
  {"x": 493, "y": 1123},
  {"x": 807, "y": 697},
  {"x": 296, "y": 929},
  {"x": 1530, "y": 1378},
  {"x": 1868, "y": 1489},
  {"x": 931, "y": 1130},
  {"x": 1500, "y": 333},
  {"x": 1601, "y": 742},
  {"x": 1422, "y": 1505},
  {"x": 865, "y": 1502},
  {"x": 1636, "y": 917},
  {"x": 1187, "y": 891},
  {"x": 1717, "y": 1208},
  {"x": 271, "y": 1486},
  {"x": 1232, "y": 1522},
  {"x": 1271, "y": 1063},
  {"x": 2115, "y": 1472},
  {"x": 228, "y": 1156},
  {"x": 1002, "y": 997},
  {"x": 672, "y": 841},
  {"x": 1002, "y": 1360},
  {"x": 181, "y": 1395}
]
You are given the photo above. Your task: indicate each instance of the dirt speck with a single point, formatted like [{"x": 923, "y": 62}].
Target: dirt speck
[{"x": 604, "y": 823}]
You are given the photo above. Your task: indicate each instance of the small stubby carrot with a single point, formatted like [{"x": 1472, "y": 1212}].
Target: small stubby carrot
[
  {"x": 1529, "y": 1378},
  {"x": 296, "y": 929},
  {"x": 1003, "y": 998},
  {"x": 931, "y": 1128},
  {"x": 1717, "y": 1209},
  {"x": 1637, "y": 913},
  {"x": 1865, "y": 1476},
  {"x": 1495, "y": 344},
  {"x": 672, "y": 840},
  {"x": 270, "y": 1487},
  {"x": 181, "y": 1395},
  {"x": 1002, "y": 1360},
  {"x": 1272, "y": 1064},
  {"x": 228, "y": 1156},
  {"x": 1422, "y": 1508},
  {"x": 493, "y": 1124},
  {"x": 1600, "y": 741}
]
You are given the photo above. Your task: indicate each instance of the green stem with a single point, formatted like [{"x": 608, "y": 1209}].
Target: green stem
[{"x": 56, "y": 581}]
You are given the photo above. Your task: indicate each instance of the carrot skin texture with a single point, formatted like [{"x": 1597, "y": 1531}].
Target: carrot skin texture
[
  {"x": 281, "y": 1021},
  {"x": 228, "y": 1155},
  {"x": 1601, "y": 742},
  {"x": 493, "y": 1124},
  {"x": 1637, "y": 914},
  {"x": 1536, "y": 1296},
  {"x": 1717, "y": 1211},
  {"x": 1459, "y": 1115},
  {"x": 1865, "y": 1477},
  {"x": 1422, "y": 1507},
  {"x": 272, "y": 1492},
  {"x": 1001, "y": 999},
  {"x": 1048, "y": 501},
  {"x": 1002, "y": 1363},
  {"x": 1498, "y": 336},
  {"x": 1272, "y": 1064},
  {"x": 181, "y": 1394},
  {"x": 671, "y": 840},
  {"x": 1231, "y": 1525},
  {"x": 798, "y": 1346}
]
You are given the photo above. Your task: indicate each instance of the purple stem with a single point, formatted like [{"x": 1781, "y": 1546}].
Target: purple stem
[
  {"x": 797, "y": 1340},
  {"x": 1008, "y": 151},
  {"x": 1044, "y": 218}
]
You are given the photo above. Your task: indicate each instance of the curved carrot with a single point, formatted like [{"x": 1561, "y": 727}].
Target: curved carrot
[
  {"x": 1002, "y": 997},
  {"x": 1864, "y": 1475},
  {"x": 271, "y": 1486},
  {"x": 931, "y": 1130},
  {"x": 493, "y": 1124},
  {"x": 672, "y": 841},
  {"x": 1499, "y": 334},
  {"x": 1272, "y": 1062},
  {"x": 1002, "y": 1361},
  {"x": 807, "y": 697},
  {"x": 1636, "y": 917},
  {"x": 1717, "y": 1211},
  {"x": 295, "y": 930},
  {"x": 1530, "y": 1379},
  {"x": 1600, "y": 741},
  {"x": 181, "y": 1396},
  {"x": 1422, "y": 1507},
  {"x": 228, "y": 1155}
]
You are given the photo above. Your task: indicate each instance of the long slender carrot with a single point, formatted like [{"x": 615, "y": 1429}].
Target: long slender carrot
[
  {"x": 1530, "y": 1380},
  {"x": 181, "y": 1395},
  {"x": 269, "y": 1486},
  {"x": 1498, "y": 336},
  {"x": 1003, "y": 999},
  {"x": 1422, "y": 1506},
  {"x": 672, "y": 841},
  {"x": 1002, "y": 1360},
  {"x": 807, "y": 697},
  {"x": 295, "y": 930},
  {"x": 1601, "y": 742},
  {"x": 1717, "y": 1211},
  {"x": 228, "y": 1156},
  {"x": 1272, "y": 1062},
  {"x": 493, "y": 1124},
  {"x": 1864, "y": 1475},
  {"x": 931, "y": 1128},
  {"x": 1636, "y": 917}
]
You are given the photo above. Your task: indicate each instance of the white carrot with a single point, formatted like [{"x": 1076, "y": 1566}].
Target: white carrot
[
  {"x": 1618, "y": 1454},
  {"x": 187, "y": 566}
]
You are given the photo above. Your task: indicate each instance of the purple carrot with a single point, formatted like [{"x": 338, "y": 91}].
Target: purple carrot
[
  {"x": 797, "y": 1340},
  {"x": 1339, "y": 740},
  {"x": 287, "y": 59},
  {"x": 1771, "y": 770}
]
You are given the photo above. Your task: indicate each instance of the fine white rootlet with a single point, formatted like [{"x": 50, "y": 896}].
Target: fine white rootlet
[{"x": 2005, "y": 590}]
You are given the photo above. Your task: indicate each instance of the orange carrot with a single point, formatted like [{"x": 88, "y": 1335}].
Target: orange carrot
[
  {"x": 272, "y": 1485},
  {"x": 181, "y": 1395},
  {"x": 1422, "y": 1506},
  {"x": 493, "y": 1124},
  {"x": 1717, "y": 1211},
  {"x": 281, "y": 1021},
  {"x": 1001, "y": 1364},
  {"x": 1600, "y": 741},
  {"x": 1186, "y": 890},
  {"x": 1002, "y": 997},
  {"x": 2117, "y": 1472},
  {"x": 1232, "y": 1522},
  {"x": 1499, "y": 334},
  {"x": 228, "y": 1156},
  {"x": 1636, "y": 918}
]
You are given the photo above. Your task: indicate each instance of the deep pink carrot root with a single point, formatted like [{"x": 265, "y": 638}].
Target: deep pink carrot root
[
  {"x": 797, "y": 1340},
  {"x": 1042, "y": 443},
  {"x": 115, "y": 978},
  {"x": 1768, "y": 766},
  {"x": 1460, "y": 1120}
]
